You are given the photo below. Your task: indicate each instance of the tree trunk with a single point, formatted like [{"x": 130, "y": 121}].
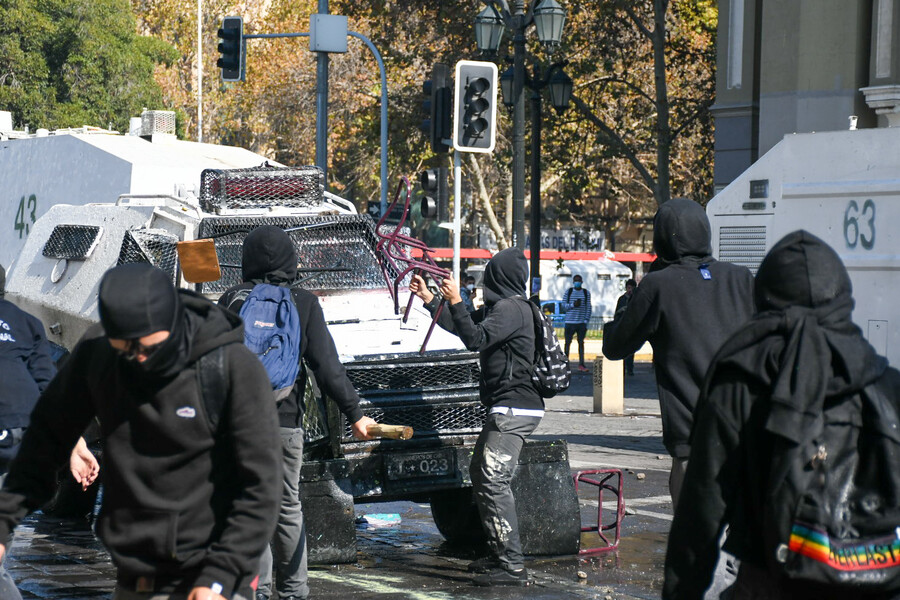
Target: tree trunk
[{"x": 482, "y": 202}]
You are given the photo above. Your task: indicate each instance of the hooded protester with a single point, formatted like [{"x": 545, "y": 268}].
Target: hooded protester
[
  {"x": 772, "y": 381},
  {"x": 187, "y": 505},
  {"x": 686, "y": 307},
  {"x": 502, "y": 332},
  {"x": 26, "y": 369},
  {"x": 269, "y": 256}
]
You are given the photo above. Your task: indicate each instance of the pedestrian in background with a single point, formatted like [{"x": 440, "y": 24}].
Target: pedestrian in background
[
  {"x": 799, "y": 366},
  {"x": 269, "y": 256},
  {"x": 621, "y": 305},
  {"x": 467, "y": 293},
  {"x": 577, "y": 302},
  {"x": 191, "y": 478},
  {"x": 503, "y": 333},
  {"x": 686, "y": 307}
]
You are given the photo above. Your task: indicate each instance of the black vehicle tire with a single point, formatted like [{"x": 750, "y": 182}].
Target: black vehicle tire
[{"x": 456, "y": 517}]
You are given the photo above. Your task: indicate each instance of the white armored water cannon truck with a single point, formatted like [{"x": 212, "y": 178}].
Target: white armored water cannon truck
[
  {"x": 842, "y": 186},
  {"x": 359, "y": 271}
]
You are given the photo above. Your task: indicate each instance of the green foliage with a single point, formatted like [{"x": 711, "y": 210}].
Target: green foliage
[{"x": 67, "y": 63}]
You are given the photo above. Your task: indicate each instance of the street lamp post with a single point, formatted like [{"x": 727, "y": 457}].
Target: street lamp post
[
  {"x": 548, "y": 18},
  {"x": 560, "y": 86}
]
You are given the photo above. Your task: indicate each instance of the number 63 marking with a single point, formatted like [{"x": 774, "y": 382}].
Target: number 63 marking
[{"x": 852, "y": 218}]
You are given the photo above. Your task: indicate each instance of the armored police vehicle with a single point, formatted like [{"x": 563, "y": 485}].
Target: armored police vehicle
[
  {"x": 842, "y": 186},
  {"x": 361, "y": 281}
]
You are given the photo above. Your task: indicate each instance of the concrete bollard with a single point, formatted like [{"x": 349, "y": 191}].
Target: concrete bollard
[{"x": 609, "y": 386}]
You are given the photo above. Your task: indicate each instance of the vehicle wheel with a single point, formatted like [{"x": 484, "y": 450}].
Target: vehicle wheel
[{"x": 456, "y": 517}]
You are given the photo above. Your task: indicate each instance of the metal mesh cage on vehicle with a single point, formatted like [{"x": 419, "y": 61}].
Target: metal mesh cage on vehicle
[
  {"x": 315, "y": 422},
  {"x": 157, "y": 121},
  {"x": 434, "y": 395},
  {"x": 154, "y": 246},
  {"x": 72, "y": 242},
  {"x": 371, "y": 378},
  {"x": 342, "y": 247},
  {"x": 261, "y": 187},
  {"x": 426, "y": 419}
]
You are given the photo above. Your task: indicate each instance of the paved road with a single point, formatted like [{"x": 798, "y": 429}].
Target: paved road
[{"x": 61, "y": 559}]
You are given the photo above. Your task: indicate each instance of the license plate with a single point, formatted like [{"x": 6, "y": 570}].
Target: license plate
[{"x": 439, "y": 463}]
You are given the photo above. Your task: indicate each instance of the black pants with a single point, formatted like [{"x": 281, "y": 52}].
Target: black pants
[
  {"x": 493, "y": 464},
  {"x": 579, "y": 329}
]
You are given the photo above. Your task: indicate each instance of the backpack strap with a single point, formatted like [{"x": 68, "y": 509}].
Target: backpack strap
[{"x": 212, "y": 378}]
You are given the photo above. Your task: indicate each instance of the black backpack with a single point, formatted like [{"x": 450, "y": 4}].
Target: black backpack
[
  {"x": 832, "y": 516},
  {"x": 550, "y": 372}
]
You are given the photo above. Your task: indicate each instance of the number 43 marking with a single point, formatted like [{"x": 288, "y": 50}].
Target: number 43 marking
[
  {"x": 853, "y": 218},
  {"x": 29, "y": 209}
]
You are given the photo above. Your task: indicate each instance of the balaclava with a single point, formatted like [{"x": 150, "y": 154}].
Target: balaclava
[
  {"x": 505, "y": 276},
  {"x": 681, "y": 233},
  {"x": 138, "y": 299},
  {"x": 269, "y": 255}
]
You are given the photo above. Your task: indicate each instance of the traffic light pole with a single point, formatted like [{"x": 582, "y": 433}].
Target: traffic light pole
[
  {"x": 535, "y": 241},
  {"x": 324, "y": 116},
  {"x": 518, "y": 142},
  {"x": 457, "y": 211}
]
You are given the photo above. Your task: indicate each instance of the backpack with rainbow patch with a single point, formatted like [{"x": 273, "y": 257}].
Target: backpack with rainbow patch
[{"x": 832, "y": 516}]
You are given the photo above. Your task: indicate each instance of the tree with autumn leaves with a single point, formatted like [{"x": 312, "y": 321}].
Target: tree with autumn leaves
[{"x": 639, "y": 130}]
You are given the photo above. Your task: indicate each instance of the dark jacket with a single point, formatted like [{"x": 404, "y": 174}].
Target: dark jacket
[
  {"x": 26, "y": 366},
  {"x": 501, "y": 331},
  {"x": 269, "y": 256},
  {"x": 685, "y": 316},
  {"x": 175, "y": 499},
  {"x": 767, "y": 388}
]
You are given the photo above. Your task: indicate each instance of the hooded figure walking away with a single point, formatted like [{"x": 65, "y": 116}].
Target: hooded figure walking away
[
  {"x": 800, "y": 364},
  {"x": 190, "y": 497},
  {"x": 686, "y": 307},
  {"x": 269, "y": 256},
  {"x": 502, "y": 331}
]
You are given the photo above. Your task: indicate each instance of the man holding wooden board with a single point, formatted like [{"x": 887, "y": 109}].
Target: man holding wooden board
[{"x": 269, "y": 257}]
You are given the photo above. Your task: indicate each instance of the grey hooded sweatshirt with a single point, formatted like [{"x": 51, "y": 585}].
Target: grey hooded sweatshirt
[{"x": 686, "y": 307}]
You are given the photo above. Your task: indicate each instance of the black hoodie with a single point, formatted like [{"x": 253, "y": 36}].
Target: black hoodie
[
  {"x": 176, "y": 500},
  {"x": 269, "y": 256},
  {"x": 770, "y": 380},
  {"x": 683, "y": 314},
  {"x": 502, "y": 331}
]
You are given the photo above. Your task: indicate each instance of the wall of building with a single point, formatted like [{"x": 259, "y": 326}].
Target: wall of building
[{"x": 790, "y": 66}]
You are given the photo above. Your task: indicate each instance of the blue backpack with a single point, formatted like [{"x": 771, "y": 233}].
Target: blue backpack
[{"x": 272, "y": 332}]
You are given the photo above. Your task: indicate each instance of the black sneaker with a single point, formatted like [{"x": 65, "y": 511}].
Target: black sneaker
[
  {"x": 501, "y": 576},
  {"x": 483, "y": 565},
  {"x": 261, "y": 596}
]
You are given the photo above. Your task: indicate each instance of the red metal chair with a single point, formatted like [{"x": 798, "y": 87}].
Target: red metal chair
[
  {"x": 395, "y": 257},
  {"x": 601, "y": 479}
]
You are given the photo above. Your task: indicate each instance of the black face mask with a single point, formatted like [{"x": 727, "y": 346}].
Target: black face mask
[
  {"x": 136, "y": 300},
  {"x": 173, "y": 353}
]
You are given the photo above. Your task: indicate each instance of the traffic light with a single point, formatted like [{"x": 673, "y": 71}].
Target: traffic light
[
  {"x": 231, "y": 49},
  {"x": 435, "y": 194},
  {"x": 438, "y": 104},
  {"x": 474, "y": 120}
]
